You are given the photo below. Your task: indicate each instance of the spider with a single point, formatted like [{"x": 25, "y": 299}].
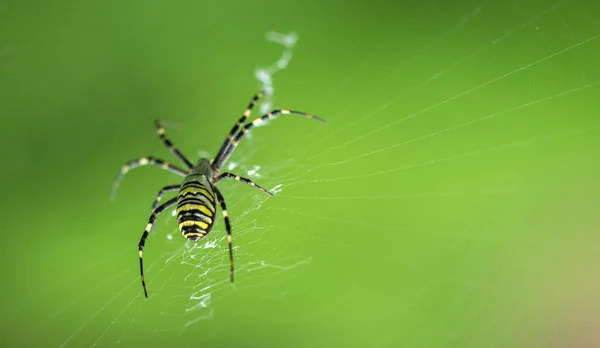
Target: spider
[{"x": 197, "y": 194}]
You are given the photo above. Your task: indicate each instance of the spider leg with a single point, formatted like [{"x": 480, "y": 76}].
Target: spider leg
[
  {"x": 151, "y": 220},
  {"x": 227, "y": 227},
  {"x": 162, "y": 192},
  {"x": 161, "y": 133},
  {"x": 237, "y": 125},
  {"x": 144, "y": 161},
  {"x": 241, "y": 179},
  {"x": 219, "y": 161}
]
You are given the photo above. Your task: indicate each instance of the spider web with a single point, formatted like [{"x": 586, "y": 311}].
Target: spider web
[{"x": 332, "y": 182}]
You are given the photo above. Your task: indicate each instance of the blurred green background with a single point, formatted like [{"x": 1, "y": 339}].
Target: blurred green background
[{"x": 450, "y": 201}]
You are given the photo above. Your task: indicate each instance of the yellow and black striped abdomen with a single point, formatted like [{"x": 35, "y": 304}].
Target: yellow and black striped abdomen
[{"x": 195, "y": 207}]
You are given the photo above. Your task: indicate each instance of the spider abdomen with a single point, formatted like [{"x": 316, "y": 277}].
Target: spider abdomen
[{"x": 195, "y": 207}]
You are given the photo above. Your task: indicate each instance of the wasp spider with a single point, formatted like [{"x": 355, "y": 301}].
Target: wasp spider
[{"x": 197, "y": 194}]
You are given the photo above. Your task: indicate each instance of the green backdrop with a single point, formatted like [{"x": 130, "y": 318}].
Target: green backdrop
[{"x": 450, "y": 201}]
